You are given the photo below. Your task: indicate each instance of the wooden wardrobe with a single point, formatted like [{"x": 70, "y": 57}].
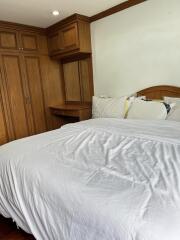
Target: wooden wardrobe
[
  {"x": 26, "y": 90},
  {"x": 40, "y": 68}
]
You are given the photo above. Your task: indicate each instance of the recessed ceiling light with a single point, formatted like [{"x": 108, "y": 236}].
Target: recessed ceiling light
[{"x": 55, "y": 13}]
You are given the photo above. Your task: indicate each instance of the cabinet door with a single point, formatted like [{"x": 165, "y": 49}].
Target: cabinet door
[
  {"x": 33, "y": 72},
  {"x": 29, "y": 42},
  {"x": 8, "y": 40},
  {"x": 69, "y": 39},
  {"x": 14, "y": 85},
  {"x": 72, "y": 82}
]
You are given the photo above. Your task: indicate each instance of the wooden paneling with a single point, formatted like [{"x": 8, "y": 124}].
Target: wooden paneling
[
  {"x": 8, "y": 39},
  {"x": 53, "y": 42},
  {"x": 53, "y": 89},
  {"x": 3, "y": 130},
  {"x": 36, "y": 98},
  {"x": 29, "y": 42},
  {"x": 86, "y": 80},
  {"x": 13, "y": 78},
  {"x": 72, "y": 82},
  {"x": 84, "y": 36}
]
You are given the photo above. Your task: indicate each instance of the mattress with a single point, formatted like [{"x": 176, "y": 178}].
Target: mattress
[{"x": 101, "y": 179}]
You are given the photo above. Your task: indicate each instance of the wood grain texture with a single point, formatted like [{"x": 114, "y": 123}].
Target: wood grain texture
[
  {"x": 35, "y": 96},
  {"x": 29, "y": 42},
  {"x": 14, "y": 86},
  {"x": 72, "y": 82},
  {"x": 71, "y": 38},
  {"x": 8, "y": 39},
  {"x": 159, "y": 92},
  {"x": 79, "y": 111},
  {"x": 115, "y": 9},
  {"x": 3, "y": 127},
  {"x": 86, "y": 80},
  {"x": 52, "y": 87}
]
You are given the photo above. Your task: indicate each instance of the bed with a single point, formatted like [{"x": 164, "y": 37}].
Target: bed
[{"x": 101, "y": 179}]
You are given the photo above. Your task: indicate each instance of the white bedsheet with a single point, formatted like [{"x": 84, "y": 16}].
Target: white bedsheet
[{"x": 102, "y": 179}]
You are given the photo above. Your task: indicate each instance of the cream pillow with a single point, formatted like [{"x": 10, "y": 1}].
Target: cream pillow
[
  {"x": 129, "y": 102},
  {"x": 147, "y": 110},
  {"x": 108, "y": 107},
  {"x": 174, "y": 114}
]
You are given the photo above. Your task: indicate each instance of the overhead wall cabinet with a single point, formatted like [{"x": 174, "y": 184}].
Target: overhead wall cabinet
[
  {"x": 18, "y": 40},
  {"x": 70, "y": 37}
]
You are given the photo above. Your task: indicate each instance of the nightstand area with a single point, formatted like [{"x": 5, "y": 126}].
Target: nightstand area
[{"x": 72, "y": 112}]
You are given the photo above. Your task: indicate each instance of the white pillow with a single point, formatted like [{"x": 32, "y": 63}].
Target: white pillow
[
  {"x": 147, "y": 110},
  {"x": 174, "y": 114},
  {"x": 108, "y": 107},
  {"x": 129, "y": 102}
]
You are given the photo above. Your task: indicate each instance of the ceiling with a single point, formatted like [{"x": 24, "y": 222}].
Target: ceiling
[{"x": 39, "y": 12}]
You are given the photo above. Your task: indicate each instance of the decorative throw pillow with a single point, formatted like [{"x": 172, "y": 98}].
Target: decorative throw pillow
[
  {"x": 147, "y": 110},
  {"x": 129, "y": 102},
  {"x": 108, "y": 107},
  {"x": 174, "y": 114}
]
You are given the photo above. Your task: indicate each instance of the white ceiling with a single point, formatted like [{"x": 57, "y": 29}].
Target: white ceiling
[{"x": 38, "y": 12}]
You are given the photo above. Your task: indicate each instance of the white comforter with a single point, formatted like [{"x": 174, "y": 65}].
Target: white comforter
[{"x": 104, "y": 179}]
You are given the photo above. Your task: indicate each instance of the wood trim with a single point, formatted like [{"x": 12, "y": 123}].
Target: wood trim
[
  {"x": 159, "y": 92},
  {"x": 115, "y": 9},
  {"x": 21, "y": 27}
]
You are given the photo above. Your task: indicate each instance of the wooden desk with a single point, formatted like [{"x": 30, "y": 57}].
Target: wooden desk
[{"x": 78, "y": 111}]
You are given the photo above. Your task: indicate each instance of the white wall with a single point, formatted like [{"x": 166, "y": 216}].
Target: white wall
[{"x": 137, "y": 48}]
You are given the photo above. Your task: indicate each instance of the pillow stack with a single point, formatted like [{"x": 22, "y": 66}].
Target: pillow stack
[{"x": 136, "y": 108}]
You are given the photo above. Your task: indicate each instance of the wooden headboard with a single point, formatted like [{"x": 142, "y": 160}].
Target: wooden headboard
[{"x": 158, "y": 92}]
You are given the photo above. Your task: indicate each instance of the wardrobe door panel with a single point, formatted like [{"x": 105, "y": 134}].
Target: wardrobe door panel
[
  {"x": 33, "y": 72},
  {"x": 13, "y": 78}
]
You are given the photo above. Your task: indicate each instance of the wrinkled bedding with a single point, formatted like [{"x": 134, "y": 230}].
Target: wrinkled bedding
[{"x": 101, "y": 179}]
